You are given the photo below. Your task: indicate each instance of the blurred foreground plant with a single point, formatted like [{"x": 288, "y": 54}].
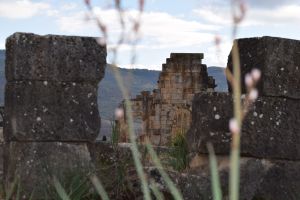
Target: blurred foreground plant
[{"x": 240, "y": 107}]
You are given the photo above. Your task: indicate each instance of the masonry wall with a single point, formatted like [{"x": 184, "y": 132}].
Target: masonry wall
[
  {"x": 167, "y": 110},
  {"x": 51, "y": 110}
]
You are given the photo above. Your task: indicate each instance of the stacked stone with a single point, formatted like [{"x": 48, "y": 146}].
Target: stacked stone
[
  {"x": 271, "y": 129},
  {"x": 51, "y": 110},
  {"x": 167, "y": 110},
  {"x": 182, "y": 77}
]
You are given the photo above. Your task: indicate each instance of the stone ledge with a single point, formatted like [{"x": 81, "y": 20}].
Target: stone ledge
[
  {"x": 54, "y": 57},
  {"x": 279, "y": 61}
]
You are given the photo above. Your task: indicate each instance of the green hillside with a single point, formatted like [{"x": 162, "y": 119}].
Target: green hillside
[{"x": 135, "y": 80}]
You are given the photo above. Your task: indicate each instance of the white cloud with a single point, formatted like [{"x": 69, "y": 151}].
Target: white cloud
[
  {"x": 160, "y": 32},
  {"x": 281, "y": 15},
  {"x": 2, "y": 45},
  {"x": 217, "y": 56},
  {"x": 159, "y": 29},
  {"x": 21, "y": 9},
  {"x": 287, "y": 14},
  {"x": 69, "y": 6},
  {"x": 140, "y": 66},
  {"x": 214, "y": 15}
]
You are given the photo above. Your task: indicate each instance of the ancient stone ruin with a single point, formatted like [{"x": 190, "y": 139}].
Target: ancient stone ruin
[
  {"x": 167, "y": 111},
  {"x": 51, "y": 120},
  {"x": 51, "y": 110},
  {"x": 270, "y": 140}
]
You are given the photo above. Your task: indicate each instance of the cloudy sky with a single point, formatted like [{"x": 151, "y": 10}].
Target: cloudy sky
[{"x": 167, "y": 25}]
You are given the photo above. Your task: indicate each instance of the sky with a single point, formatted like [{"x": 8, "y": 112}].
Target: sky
[{"x": 167, "y": 25}]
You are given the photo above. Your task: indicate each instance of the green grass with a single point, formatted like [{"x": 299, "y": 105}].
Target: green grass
[{"x": 179, "y": 152}]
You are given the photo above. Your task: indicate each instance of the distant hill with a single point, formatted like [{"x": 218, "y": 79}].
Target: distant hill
[
  {"x": 219, "y": 76},
  {"x": 136, "y": 80}
]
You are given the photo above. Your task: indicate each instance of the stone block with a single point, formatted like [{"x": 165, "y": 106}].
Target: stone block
[
  {"x": 53, "y": 57},
  {"x": 51, "y": 111},
  {"x": 279, "y": 61},
  {"x": 259, "y": 179},
  {"x": 34, "y": 164},
  {"x": 271, "y": 129}
]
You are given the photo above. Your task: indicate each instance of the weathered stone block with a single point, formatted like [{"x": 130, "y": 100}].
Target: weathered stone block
[
  {"x": 259, "y": 179},
  {"x": 34, "y": 164},
  {"x": 279, "y": 61},
  {"x": 53, "y": 57},
  {"x": 51, "y": 111},
  {"x": 271, "y": 128}
]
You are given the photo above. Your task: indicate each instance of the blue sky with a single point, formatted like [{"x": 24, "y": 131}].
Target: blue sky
[{"x": 168, "y": 25}]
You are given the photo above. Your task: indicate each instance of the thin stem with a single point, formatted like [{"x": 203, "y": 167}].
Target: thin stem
[
  {"x": 174, "y": 191},
  {"x": 235, "y": 145},
  {"x": 134, "y": 148},
  {"x": 215, "y": 178}
]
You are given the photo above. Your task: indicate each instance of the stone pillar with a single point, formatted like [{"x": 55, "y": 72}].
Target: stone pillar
[{"x": 51, "y": 110}]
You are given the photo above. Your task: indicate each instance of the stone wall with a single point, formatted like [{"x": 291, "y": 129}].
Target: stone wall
[
  {"x": 270, "y": 135},
  {"x": 167, "y": 110},
  {"x": 51, "y": 108}
]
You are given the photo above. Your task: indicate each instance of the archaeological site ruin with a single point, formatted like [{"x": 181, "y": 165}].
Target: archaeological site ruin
[
  {"x": 167, "y": 111},
  {"x": 51, "y": 121}
]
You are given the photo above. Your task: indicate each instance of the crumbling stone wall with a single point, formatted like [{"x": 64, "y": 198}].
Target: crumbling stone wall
[
  {"x": 51, "y": 110},
  {"x": 270, "y": 135},
  {"x": 167, "y": 111}
]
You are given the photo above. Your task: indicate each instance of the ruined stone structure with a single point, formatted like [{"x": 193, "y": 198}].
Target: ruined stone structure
[
  {"x": 51, "y": 108},
  {"x": 51, "y": 120},
  {"x": 270, "y": 140},
  {"x": 167, "y": 110}
]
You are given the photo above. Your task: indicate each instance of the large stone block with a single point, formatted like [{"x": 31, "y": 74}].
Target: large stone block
[
  {"x": 53, "y": 57},
  {"x": 271, "y": 128},
  {"x": 51, "y": 111},
  {"x": 35, "y": 164},
  {"x": 259, "y": 179},
  {"x": 279, "y": 61}
]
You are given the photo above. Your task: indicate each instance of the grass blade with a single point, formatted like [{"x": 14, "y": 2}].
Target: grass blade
[
  {"x": 60, "y": 190},
  {"x": 99, "y": 187},
  {"x": 134, "y": 148},
  {"x": 11, "y": 190},
  {"x": 158, "y": 195},
  {"x": 215, "y": 178},
  {"x": 174, "y": 191}
]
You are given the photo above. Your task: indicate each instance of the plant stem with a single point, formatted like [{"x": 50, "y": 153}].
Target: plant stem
[
  {"x": 134, "y": 148},
  {"x": 215, "y": 178},
  {"x": 235, "y": 145}
]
